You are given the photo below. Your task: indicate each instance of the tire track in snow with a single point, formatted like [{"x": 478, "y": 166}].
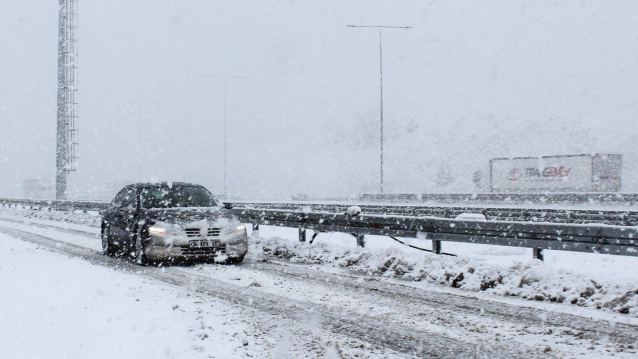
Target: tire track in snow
[
  {"x": 576, "y": 326},
  {"x": 466, "y": 305},
  {"x": 368, "y": 329},
  {"x": 467, "y": 315}
]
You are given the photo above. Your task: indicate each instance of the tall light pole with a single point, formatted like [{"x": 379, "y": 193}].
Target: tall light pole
[
  {"x": 66, "y": 159},
  {"x": 225, "y": 78},
  {"x": 380, "y": 27}
]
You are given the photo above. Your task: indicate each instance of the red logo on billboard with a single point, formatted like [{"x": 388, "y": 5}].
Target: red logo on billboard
[
  {"x": 515, "y": 174},
  {"x": 532, "y": 172},
  {"x": 561, "y": 171}
]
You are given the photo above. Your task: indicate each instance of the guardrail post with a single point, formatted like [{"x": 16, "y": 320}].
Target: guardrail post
[
  {"x": 538, "y": 253},
  {"x": 436, "y": 246},
  {"x": 255, "y": 232},
  {"x": 302, "y": 234},
  {"x": 361, "y": 239}
]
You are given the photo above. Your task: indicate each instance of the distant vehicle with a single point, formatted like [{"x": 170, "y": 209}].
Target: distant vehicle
[
  {"x": 571, "y": 173},
  {"x": 169, "y": 222}
]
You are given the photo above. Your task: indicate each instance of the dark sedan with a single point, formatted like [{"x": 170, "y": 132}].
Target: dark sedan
[{"x": 167, "y": 222}]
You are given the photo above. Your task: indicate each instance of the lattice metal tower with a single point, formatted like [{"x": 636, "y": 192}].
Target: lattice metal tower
[{"x": 66, "y": 143}]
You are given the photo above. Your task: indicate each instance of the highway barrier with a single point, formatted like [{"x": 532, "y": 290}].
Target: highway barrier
[
  {"x": 593, "y": 238},
  {"x": 606, "y": 232}
]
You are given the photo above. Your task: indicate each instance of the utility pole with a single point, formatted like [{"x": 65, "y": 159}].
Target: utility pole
[
  {"x": 380, "y": 27},
  {"x": 67, "y": 103},
  {"x": 225, "y": 78}
]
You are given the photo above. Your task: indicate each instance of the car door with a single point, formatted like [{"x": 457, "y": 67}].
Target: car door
[
  {"x": 123, "y": 217},
  {"x": 113, "y": 218}
]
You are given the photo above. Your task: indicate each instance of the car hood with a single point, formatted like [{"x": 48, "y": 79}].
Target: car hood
[{"x": 184, "y": 216}]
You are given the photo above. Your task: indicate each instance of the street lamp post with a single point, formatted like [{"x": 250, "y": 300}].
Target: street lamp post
[
  {"x": 380, "y": 27},
  {"x": 225, "y": 78}
]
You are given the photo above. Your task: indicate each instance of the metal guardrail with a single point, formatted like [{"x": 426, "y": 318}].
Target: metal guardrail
[
  {"x": 581, "y": 231},
  {"x": 575, "y": 216},
  {"x": 618, "y": 240},
  {"x": 512, "y": 198},
  {"x": 55, "y": 204}
]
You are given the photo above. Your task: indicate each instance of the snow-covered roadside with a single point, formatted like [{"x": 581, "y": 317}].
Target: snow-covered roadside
[
  {"x": 52, "y": 306},
  {"x": 525, "y": 278},
  {"x": 582, "y": 280},
  {"x": 90, "y": 219}
]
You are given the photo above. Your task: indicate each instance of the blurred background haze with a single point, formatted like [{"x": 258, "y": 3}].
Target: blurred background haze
[{"x": 472, "y": 80}]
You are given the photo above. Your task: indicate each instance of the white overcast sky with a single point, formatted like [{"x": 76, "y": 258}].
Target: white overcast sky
[{"x": 470, "y": 81}]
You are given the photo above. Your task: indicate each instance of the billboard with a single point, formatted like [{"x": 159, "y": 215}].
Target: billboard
[{"x": 573, "y": 173}]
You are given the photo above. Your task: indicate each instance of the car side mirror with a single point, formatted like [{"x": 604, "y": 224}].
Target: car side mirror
[{"x": 228, "y": 205}]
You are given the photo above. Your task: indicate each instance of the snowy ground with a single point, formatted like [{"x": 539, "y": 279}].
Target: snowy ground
[
  {"x": 581, "y": 279},
  {"x": 59, "y": 307},
  {"x": 85, "y": 305},
  {"x": 603, "y": 282}
]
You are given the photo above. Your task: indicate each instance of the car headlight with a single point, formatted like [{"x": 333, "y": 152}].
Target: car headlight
[
  {"x": 234, "y": 229},
  {"x": 157, "y": 231}
]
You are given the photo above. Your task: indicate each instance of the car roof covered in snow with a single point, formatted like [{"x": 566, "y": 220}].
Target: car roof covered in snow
[{"x": 162, "y": 184}]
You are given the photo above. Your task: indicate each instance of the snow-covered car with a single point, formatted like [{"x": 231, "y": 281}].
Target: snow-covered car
[{"x": 168, "y": 222}]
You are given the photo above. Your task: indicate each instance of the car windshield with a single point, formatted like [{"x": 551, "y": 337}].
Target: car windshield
[{"x": 179, "y": 196}]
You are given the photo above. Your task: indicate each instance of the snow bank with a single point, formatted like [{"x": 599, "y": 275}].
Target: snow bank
[
  {"x": 91, "y": 218},
  {"x": 533, "y": 280}
]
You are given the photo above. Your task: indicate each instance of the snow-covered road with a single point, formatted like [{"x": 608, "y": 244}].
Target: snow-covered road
[{"x": 61, "y": 288}]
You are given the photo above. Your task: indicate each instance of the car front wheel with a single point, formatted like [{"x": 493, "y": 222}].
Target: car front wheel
[
  {"x": 233, "y": 260},
  {"x": 140, "y": 255},
  {"x": 107, "y": 246}
]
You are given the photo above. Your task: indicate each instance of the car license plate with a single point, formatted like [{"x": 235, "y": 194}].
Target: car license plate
[{"x": 204, "y": 243}]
